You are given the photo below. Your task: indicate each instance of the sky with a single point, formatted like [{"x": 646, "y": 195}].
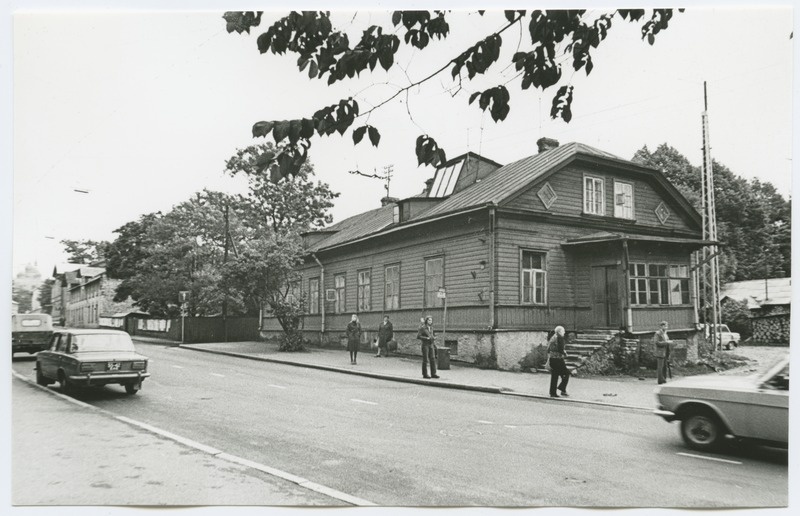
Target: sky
[{"x": 141, "y": 108}]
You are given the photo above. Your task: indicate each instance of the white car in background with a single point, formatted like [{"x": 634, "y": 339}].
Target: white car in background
[
  {"x": 725, "y": 337},
  {"x": 713, "y": 406}
]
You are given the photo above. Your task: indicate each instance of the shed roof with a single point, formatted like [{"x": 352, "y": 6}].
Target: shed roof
[{"x": 755, "y": 292}]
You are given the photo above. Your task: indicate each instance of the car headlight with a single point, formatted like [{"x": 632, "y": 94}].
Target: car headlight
[{"x": 139, "y": 365}]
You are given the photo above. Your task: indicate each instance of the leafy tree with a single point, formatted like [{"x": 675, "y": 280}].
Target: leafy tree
[
  {"x": 324, "y": 52},
  {"x": 23, "y": 296},
  {"x": 84, "y": 251},
  {"x": 737, "y": 316},
  {"x": 46, "y": 296},
  {"x": 753, "y": 219},
  {"x": 129, "y": 249}
]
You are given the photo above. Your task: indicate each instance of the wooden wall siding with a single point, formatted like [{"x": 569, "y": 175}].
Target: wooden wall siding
[
  {"x": 650, "y": 252},
  {"x": 568, "y": 186},
  {"x": 464, "y": 243},
  {"x": 458, "y": 319},
  {"x": 541, "y": 318},
  {"x": 648, "y": 319},
  {"x": 585, "y": 257}
]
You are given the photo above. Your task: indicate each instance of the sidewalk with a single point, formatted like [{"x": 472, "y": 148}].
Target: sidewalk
[
  {"x": 67, "y": 453},
  {"x": 627, "y": 392}
]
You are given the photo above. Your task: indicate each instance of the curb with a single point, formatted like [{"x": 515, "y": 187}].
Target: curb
[
  {"x": 300, "y": 481},
  {"x": 405, "y": 379}
]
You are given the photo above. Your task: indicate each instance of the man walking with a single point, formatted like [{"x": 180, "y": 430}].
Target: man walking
[
  {"x": 385, "y": 334},
  {"x": 662, "y": 342},
  {"x": 558, "y": 368},
  {"x": 426, "y": 336}
]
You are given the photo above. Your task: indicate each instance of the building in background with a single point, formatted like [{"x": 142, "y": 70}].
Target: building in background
[
  {"x": 87, "y": 294},
  {"x": 769, "y": 302}
]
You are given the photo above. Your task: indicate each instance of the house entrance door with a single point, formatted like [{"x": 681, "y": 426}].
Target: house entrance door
[{"x": 605, "y": 296}]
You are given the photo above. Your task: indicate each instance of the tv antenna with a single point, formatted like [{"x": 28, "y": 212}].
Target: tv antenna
[{"x": 386, "y": 176}]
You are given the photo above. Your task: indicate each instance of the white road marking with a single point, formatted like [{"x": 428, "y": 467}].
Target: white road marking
[
  {"x": 709, "y": 458},
  {"x": 485, "y": 422},
  {"x": 217, "y": 374},
  {"x": 362, "y": 401},
  {"x": 178, "y": 367},
  {"x": 510, "y": 426},
  {"x": 276, "y": 386}
]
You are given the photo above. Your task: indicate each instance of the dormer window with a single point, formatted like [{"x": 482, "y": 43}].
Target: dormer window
[
  {"x": 396, "y": 214},
  {"x": 594, "y": 197},
  {"x": 623, "y": 200}
]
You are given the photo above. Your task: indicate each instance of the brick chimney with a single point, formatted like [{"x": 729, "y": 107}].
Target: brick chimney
[
  {"x": 388, "y": 200},
  {"x": 545, "y": 144}
]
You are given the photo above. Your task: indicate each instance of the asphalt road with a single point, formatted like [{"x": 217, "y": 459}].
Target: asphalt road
[{"x": 404, "y": 444}]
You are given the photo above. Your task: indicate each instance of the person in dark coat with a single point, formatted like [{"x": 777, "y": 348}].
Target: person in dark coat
[
  {"x": 427, "y": 336},
  {"x": 558, "y": 368},
  {"x": 353, "y": 338},
  {"x": 385, "y": 334},
  {"x": 662, "y": 343}
]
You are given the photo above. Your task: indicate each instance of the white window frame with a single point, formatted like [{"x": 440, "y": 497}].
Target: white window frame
[
  {"x": 339, "y": 306},
  {"x": 313, "y": 295},
  {"x": 391, "y": 291},
  {"x": 533, "y": 295},
  {"x": 364, "y": 290},
  {"x": 430, "y": 298},
  {"x": 591, "y": 208},
  {"x": 624, "y": 211},
  {"x": 675, "y": 282}
]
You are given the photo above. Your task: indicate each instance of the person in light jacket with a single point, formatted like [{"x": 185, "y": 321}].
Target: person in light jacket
[
  {"x": 353, "y": 338},
  {"x": 558, "y": 368},
  {"x": 427, "y": 336},
  {"x": 385, "y": 334}
]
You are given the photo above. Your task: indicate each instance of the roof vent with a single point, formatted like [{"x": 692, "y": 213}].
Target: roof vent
[{"x": 546, "y": 144}]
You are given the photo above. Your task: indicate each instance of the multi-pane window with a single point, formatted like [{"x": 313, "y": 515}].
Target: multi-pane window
[
  {"x": 364, "y": 294},
  {"x": 534, "y": 278},
  {"x": 313, "y": 296},
  {"x": 623, "y": 200},
  {"x": 392, "y": 288},
  {"x": 659, "y": 284},
  {"x": 434, "y": 280},
  {"x": 338, "y": 286},
  {"x": 293, "y": 292},
  {"x": 594, "y": 199}
]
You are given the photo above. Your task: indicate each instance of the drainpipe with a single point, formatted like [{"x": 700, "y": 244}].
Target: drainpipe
[
  {"x": 492, "y": 266},
  {"x": 627, "y": 274},
  {"x": 321, "y": 295}
]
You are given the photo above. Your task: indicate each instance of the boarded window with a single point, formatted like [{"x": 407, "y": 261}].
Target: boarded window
[
  {"x": 313, "y": 296},
  {"x": 392, "y": 288},
  {"x": 623, "y": 200},
  {"x": 434, "y": 280},
  {"x": 364, "y": 292},
  {"x": 594, "y": 200},
  {"x": 534, "y": 278}
]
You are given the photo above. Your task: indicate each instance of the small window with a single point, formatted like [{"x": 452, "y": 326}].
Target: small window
[
  {"x": 434, "y": 280},
  {"x": 31, "y": 323},
  {"x": 396, "y": 214},
  {"x": 392, "y": 288},
  {"x": 547, "y": 195},
  {"x": 313, "y": 296},
  {"x": 534, "y": 278},
  {"x": 364, "y": 293},
  {"x": 594, "y": 198},
  {"x": 623, "y": 200}
]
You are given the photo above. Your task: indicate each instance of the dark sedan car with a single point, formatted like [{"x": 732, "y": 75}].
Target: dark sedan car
[{"x": 91, "y": 358}]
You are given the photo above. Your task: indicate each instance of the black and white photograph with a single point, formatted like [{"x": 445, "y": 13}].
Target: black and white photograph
[{"x": 397, "y": 255}]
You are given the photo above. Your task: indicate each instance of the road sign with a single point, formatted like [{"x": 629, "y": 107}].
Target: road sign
[
  {"x": 183, "y": 296},
  {"x": 442, "y": 293}
]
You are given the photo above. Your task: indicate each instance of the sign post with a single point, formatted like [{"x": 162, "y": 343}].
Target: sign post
[
  {"x": 442, "y": 294},
  {"x": 183, "y": 297}
]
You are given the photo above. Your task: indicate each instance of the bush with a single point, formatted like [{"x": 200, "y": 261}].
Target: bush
[
  {"x": 535, "y": 359},
  {"x": 612, "y": 359},
  {"x": 291, "y": 342}
]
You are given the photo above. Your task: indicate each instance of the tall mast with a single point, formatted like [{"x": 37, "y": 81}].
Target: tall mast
[{"x": 709, "y": 277}]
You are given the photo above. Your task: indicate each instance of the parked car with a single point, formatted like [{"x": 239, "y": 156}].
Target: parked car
[
  {"x": 710, "y": 407},
  {"x": 30, "y": 333},
  {"x": 725, "y": 337},
  {"x": 91, "y": 358}
]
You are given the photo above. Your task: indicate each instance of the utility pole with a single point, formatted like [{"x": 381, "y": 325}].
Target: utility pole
[
  {"x": 709, "y": 277},
  {"x": 225, "y": 287}
]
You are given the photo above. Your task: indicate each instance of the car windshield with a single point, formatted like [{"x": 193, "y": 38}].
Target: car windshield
[{"x": 103, "y": 342}]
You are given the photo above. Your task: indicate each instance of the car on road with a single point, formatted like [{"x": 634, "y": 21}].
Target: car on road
[
  {"x": 30, "y": 332},
  {"x": 725, "y": 337},
  {"x": 78, "y": 358},
  {"x": 710, "y": 407}
]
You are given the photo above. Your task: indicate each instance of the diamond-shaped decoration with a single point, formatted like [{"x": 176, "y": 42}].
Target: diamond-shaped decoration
[
  {"x": 662, "y": 212},
  {"x": 547, "y": 195}
]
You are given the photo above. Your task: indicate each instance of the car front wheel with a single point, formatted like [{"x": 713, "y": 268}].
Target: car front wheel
[
  {"x": 701, "y": 431},
  {"x": 131, "y": 388}
]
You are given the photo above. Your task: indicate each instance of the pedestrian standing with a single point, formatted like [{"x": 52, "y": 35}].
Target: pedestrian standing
[
  {"x": 558, "y": 368},
  {"x": 385, "y": 334},
  {"x": 662, "y": 351},
  {"x": 353, "y": 338},
  {"x": 427, "y": 336}
]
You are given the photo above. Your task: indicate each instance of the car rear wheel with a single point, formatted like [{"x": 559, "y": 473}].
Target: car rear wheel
[
  {"x": 702, "y": 430},
  {"x": 66, "y": 386},
  {"x": 131, "y": 388}
]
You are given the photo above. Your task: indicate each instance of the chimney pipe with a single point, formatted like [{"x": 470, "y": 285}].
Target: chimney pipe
[
  {"x": 546, "y": 144},
  {"x": 388, "y": 200}
]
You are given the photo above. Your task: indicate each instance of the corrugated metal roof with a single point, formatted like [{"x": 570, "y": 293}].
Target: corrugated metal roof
[
  {"x": 755, "y": 291},
  {"x": 358, "y": 226},
  {"x": 508, "y": 179}
]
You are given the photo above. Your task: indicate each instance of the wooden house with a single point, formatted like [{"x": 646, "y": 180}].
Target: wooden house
[{"x": 570, "y": 236}]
